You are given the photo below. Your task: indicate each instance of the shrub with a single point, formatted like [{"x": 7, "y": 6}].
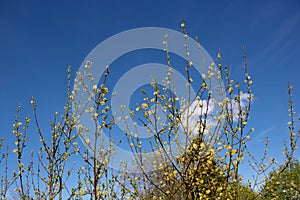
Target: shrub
[{"x": 205, "y": 166}]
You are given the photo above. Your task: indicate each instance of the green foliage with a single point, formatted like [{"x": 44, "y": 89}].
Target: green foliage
[{"x": 283, "y": 184}]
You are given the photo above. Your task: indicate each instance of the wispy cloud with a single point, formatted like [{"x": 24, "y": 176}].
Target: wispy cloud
[
  {"x": 276, "y": 29},
  {"x": 260, "y": 137},
  {"x": 283, "y": 39},
  {"x": 280, "y": 36}
]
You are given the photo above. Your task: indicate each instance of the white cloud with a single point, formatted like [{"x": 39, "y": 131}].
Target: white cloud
[
  {"x": 201, "y": 107},
  {"x": 244, "y": 98},
  {"x": 191, "y": 116}
]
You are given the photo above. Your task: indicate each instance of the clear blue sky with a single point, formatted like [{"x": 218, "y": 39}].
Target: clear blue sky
[{"x": 40, "y": 39}]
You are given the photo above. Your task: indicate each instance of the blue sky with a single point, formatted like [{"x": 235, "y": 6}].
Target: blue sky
[{"x": 40, "y": 39}]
